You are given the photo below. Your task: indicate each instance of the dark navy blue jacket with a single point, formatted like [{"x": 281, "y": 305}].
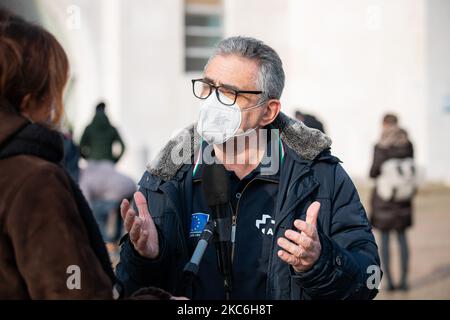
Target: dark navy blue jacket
[{"x": 310, "y": 173}]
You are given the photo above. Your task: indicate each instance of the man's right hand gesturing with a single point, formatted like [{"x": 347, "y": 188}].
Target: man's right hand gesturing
[{"x": 140, "y": 227}]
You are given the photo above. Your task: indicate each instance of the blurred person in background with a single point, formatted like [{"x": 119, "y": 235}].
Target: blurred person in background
[
  {"x": 46, "y": 225},
  {"x": 99, "y": 138},
  {"x": 309, "y": 120},
  {"x": 393, "y": 169},
  {"x": 102, "y": 184},
  {"x": 71, "y": 155}
]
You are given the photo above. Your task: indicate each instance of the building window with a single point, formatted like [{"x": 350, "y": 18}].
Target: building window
[{"x": 203, "y": 30}]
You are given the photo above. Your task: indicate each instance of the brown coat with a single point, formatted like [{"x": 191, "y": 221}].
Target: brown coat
[
  {"x": 390, "y": 215},
  {"x": 41, "y": 230}
]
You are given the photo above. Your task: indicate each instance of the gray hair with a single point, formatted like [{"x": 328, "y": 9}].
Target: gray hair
[{"x": 271, "y": 73}]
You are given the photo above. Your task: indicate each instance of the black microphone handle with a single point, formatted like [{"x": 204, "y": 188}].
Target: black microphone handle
[
  {"x": 224, "y": 256},
  {"x": 222, "y": 219},
  {"x": 223, "y": 223},
  {"x": 221, "y": 211}
]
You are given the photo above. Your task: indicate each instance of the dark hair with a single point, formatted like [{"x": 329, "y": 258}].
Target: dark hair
[
  {"x": 7, "y": 16},
  {"x": 390, "y": 118},
  {"x": 100, "y": 107},
  {"x": 32, "y": 62}
]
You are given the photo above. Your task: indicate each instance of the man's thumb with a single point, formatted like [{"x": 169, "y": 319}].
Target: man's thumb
[
  {"x": 141, "y": 205},
  {"x": 312, "y": 213}
]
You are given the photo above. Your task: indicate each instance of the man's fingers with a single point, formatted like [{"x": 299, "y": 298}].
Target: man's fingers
[
  {"x": 124, "y": 206},
  {"x": 312, "y": 213},
  {"x": 141, "y": 205},
  {"x": 302, "y": 249},
  {"x": 144, "y": 214},
  {"x": 288, "y": 246},
  {"x": 135, "y": 231},
  {"x": 141, "y": 243},
  {"x": 299, "y": 239},
  {"x": 293, "y": 236},
  {"x": 308, "y": 229},
  {"x": 286, "y": 257},
  {"x": 141, "y": 227},
  {"x": 129, "y": 219}
]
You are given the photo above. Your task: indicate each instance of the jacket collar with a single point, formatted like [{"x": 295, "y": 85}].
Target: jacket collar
[
  {"x": 304, "y": 142},
  {"x": 19, "y": 137}
]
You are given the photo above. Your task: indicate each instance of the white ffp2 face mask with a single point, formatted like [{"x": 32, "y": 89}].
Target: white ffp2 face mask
[{"x": 217, "y": 122}]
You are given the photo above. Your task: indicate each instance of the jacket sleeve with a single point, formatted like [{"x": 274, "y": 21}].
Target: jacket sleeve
[
  {"x": 85, "y": 143},
  {"x": 135, "y": 271},
  {"x": 379, "y": 156},
  {"x": 349, "y": 264},
  {"x": 118, "y": 138},
  {"x": 51, "y": 243},
  {"x": 411, "y": 150}
]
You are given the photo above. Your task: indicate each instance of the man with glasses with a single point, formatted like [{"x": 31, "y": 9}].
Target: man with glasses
[{"x": 299, "y": 231}]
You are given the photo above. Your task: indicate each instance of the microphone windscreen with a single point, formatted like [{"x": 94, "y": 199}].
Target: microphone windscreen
[{"x": 216, "y": 185}]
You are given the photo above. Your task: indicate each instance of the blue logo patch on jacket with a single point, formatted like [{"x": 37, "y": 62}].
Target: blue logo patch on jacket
[{"x": 198, "y": 223}]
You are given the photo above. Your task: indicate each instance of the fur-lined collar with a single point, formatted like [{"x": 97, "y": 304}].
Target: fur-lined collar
[{"x": 307, "y": 143}]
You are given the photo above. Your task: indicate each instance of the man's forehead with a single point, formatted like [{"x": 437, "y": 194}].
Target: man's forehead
[{"x": 232, "y": 70}]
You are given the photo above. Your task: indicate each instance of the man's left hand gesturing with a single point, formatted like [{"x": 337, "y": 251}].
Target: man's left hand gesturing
[{"x": 302, "y": 250}]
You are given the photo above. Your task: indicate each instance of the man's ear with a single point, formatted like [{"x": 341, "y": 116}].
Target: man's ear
[{"x": 271, "y": 112}]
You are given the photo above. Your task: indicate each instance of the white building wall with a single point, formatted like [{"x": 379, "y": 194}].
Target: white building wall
[
  {"x": 438, "y": 89},
  {"x": 156, "y": 97},
  {"x": 77, "y": 25},
  {"x": 348, "y": 62}
]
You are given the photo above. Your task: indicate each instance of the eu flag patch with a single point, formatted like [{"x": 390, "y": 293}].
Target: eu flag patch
[{"x": 198, "y": 223}]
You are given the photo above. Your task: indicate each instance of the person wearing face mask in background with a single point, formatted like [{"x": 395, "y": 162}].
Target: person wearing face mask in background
[
  {"x": 47, "y": 232},
  {"x": 299, "y": 232}
]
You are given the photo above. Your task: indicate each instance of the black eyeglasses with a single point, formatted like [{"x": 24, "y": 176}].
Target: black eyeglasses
[{"x": 202, "y": 89}]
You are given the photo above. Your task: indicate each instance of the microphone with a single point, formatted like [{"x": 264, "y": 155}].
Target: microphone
[{"x": 216, "y": 188}]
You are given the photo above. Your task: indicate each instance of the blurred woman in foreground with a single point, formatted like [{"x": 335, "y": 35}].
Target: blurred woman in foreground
[{"x": 50, "y": 245}]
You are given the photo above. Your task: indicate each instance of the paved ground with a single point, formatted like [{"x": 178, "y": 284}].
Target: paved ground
[{"x": 429, "y": 240}]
